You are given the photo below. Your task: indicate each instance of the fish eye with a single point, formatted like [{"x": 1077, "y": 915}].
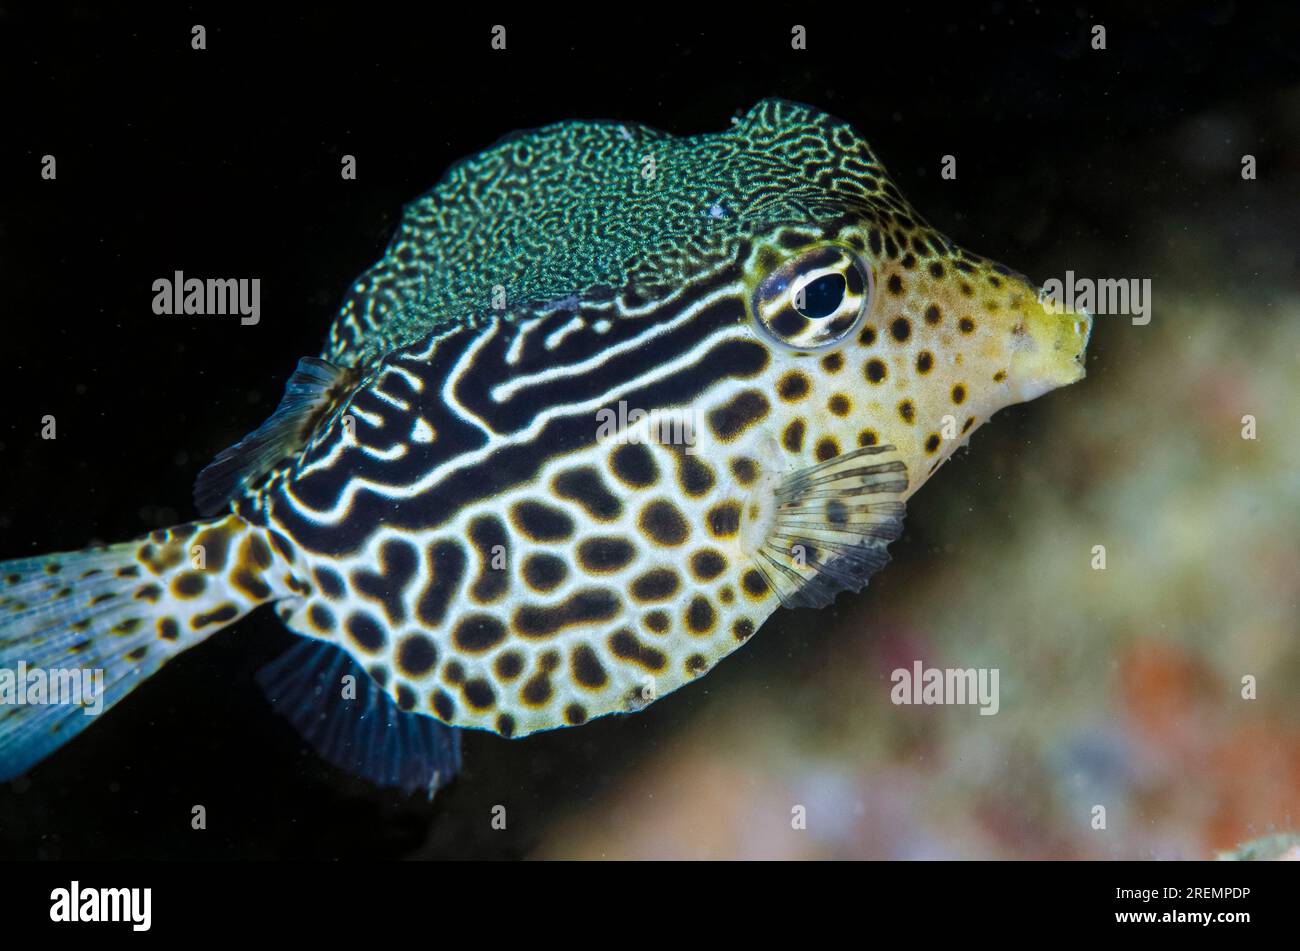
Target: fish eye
[
  {"x": 820, "y": 297},
  {"x": 815, "y": 299}
]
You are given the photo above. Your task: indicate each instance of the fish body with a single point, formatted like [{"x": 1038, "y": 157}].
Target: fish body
[{"x": 610, "y": 398}]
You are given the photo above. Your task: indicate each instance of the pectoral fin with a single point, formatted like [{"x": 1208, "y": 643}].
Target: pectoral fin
[{"x": 832, "y": 525}]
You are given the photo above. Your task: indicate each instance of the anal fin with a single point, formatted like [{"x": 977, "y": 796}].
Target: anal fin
[
  {"x": 366, "y": 734},
  {"x": 832, "y": 525},
  {"x": 312, "y": 390}
]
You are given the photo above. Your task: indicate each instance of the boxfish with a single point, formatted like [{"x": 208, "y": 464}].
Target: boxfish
[{"x": 610, "y": 399}]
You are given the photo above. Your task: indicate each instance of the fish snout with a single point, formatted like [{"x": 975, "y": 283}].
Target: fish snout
[{"x": 1049, "y": 348}]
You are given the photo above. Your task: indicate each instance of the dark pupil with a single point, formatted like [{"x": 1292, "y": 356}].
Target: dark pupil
[{"x": 821, "y": 297}]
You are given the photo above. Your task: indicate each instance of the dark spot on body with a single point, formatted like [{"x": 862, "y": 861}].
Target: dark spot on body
[
  {"x": 585, "y": 486},
  {"x": 745, "y": 470},
  {"x": 742, "y": 411},
  {"x": 657, "y": 621},
  {"x": 279, "y": 542},
  {"x": 447, "y": 568},
  {"x": 189, "y": 584},
  {"x": 754, "y": 583},
  {"x": 478, "y": 693},
  {"x": 443, "y": 705},
  {"x": 657, "y": 584},
  {"x": 509, "y": 665},
  {"x": 634, "y": 465},
  {"x": 792, "y": 438},
  {"x": 405, "y": 698},
  {"x": 700, "y": 616},
  {"x": 586, "y": 606},
  {"x": 662, "y": 523},
  {"x": 625, "y": 645},
  {"x": 366, "y": 632},
  {"x": 221, "y": 615},
  {"x": 586, "y": 668},
  {"x": 329, "y": 582},
  {"x": 707, "y": 564},
  {"x": 541, "y": 522},
  {"x": 488, "y": 536},
  {"x": 476, "y": 633},
  {"x": 537, "y": 690},
  {"x": 793, "y": 386},
  {"x": 694, "y": 474},
  {"x": 256, "y": 552},
  {"x": 544, "y": 572},
  {"x": 724, "y": 519},
  {"x": 604, "y": 554},
  {"x": 250, "y": 585},
  {"x": 321, "y": 618}
]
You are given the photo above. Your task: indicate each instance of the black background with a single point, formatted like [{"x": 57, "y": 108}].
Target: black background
[{"x": 225, "y": 162}]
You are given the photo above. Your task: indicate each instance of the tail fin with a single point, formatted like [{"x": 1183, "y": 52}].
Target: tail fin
[{"x": 80, "y": 630}]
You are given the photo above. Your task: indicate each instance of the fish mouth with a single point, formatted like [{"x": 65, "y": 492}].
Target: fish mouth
[
  {"x": 1049, "y": 349},
  {"x": 1081, "y": 333}
]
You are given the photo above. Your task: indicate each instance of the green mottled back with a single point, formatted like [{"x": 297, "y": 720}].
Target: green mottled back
[{"x": 554, "y": 211}]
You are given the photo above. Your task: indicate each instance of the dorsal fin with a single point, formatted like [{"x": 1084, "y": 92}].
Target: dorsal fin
[{"x": 312, "y": 391}]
